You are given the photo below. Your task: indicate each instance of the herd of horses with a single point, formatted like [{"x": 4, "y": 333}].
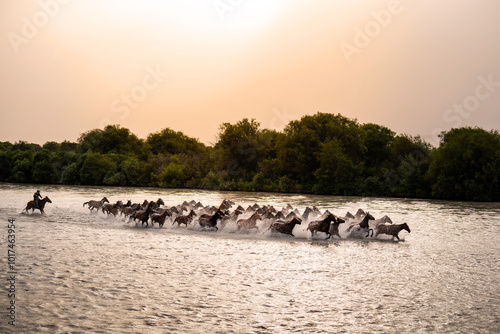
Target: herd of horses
[{"x": 263, "y": 218}]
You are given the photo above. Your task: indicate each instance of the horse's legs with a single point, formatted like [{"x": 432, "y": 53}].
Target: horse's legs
[
  {"x": 368, "y": 232},
  {"x": 329, "y": 235}
]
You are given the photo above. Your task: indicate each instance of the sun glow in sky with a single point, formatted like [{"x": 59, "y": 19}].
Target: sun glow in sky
[{"x": 74, "y": 65}]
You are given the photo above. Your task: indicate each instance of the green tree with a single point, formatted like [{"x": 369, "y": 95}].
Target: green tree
[
  {"x": 22, "y": 171},
  {"x": 174, "y": 176},
  {"x": 240, "y": 149},
  {"x": 21, "y": 164},
  {"x": 300, "y": 149},
  {"x": 113, "y": 139},
  {"x": 169, "y": 141},
  {"x": 25, "y": 147},
  {"x": 378, "y": 141},
  {"x": 337, "y": 173},
  {"x": 43, "y": 170},
  {"x": 131, "y": 167},
  {"x": 95, "y": 167},
  {"x": 466, "y": 165},
  {"x": 410, "y": 159},
  {"x": 70, "y": 174},
  {"x": 5, "y": 165}
]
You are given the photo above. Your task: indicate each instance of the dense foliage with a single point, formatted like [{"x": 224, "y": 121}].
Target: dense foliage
[{"x": 321, "y": 153}]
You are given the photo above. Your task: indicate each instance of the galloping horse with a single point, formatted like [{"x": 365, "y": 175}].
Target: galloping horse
[
  {"x": 186, "y": 219},
  {"x": 157, "y": 203},
  {"x": 321, "y": 226},
  {"x": 285, "y": 227},
  {"x": 160, "y": 217},
  {"x": 210, "y": 221},
  {"x": 41, "y": 205},
  {"x": 334, "y": 228},
  {"x": 249, "y": 223},
  {"x": 364, "y": 226},
  {"x": 325, "y": 226},
  {"x": 143, "y": 215},
  {"x": 391, "y": 230},
  {"x": 96, "y": 204},
  {"x": 112, "y": 209}
]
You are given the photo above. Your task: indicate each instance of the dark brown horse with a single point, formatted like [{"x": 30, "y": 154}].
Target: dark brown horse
[
  {"x": 186, "y": 219},
  {"x": 391, "y": 230},
  {"x": 112, "y": 209},
  {"x": 285, "y": 227},
  {"x": 41, "y": 205},
  {"x": 96, "y": 204},
  {"x": 325, "y": 226},
  {"x": 210, "y": 221},
  {"x": 159, "y": 202},
  {"x": 160, "y": 217},
  {"x": 226, "y": 205},
  {"x": 321, "y": 226},
  {"x": 143, "y": 215}
]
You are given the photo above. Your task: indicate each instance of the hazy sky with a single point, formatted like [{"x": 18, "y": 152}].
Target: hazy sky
[{"x": 417, "y": 67}]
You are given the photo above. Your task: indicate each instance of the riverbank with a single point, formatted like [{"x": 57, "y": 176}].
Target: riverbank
[{"x": 321, "y": 154}]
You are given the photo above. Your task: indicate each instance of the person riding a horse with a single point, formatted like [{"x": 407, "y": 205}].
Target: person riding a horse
[{"x": 36, "y": 197}]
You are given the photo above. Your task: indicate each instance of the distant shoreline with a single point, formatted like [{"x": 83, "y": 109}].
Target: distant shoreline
[
  {"x": 47, "y": 186},
  {"x": 321, "y": 154}
]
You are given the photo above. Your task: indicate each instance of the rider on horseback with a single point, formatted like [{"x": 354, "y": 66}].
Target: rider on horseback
[{"x": 36, "y": 197}]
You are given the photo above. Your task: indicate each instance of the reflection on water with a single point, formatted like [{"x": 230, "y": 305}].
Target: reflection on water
[{"x": 82, "y": 272}]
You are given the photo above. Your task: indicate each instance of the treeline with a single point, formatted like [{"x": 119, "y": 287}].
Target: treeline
[{"x": 321, "y": 154}]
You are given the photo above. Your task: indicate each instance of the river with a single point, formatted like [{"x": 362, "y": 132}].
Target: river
[{"x": 82, "y": 272}]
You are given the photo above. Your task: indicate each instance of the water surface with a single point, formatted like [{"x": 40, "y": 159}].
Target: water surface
[{"x": 87, "y": 273}]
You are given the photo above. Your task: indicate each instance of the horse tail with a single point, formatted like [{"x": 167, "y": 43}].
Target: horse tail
[{"x": 85, "y": 203}]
